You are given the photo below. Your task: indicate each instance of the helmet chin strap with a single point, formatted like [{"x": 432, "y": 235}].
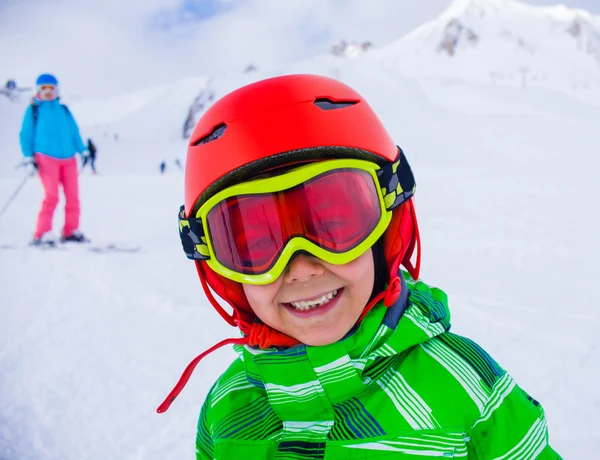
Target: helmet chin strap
[{"x": 232, "y": 320}]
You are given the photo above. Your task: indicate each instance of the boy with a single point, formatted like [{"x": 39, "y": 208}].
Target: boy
[{"x": 299, "y": 213}]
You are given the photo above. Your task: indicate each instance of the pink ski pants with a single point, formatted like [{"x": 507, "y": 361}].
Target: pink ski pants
[{"x": 53, "y": 171}]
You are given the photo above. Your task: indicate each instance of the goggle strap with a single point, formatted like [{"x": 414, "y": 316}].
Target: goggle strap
[
  {"x": 397, "y": 182},
  {"x": 399, "y": 187},
  {"x": 192, "y": 237}
]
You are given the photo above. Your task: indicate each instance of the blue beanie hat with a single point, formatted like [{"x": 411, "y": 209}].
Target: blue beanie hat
[{"x": 46, "y": 79}]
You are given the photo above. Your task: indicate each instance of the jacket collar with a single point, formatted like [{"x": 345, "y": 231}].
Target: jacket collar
[{"x": 305, "y": 382}]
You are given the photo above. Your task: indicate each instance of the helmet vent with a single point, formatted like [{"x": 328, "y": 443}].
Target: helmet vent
[
  {"x": 216, "y": 132},
  {"x": 327, "y": 104}
]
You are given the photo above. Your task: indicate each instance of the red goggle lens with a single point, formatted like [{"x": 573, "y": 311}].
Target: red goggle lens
[{"x": 336, "y": 211}]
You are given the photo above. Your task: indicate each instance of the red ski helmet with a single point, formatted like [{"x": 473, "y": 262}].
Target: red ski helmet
[{"x": 277, "y": 122}]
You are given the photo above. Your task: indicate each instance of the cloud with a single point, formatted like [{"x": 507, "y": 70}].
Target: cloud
[
  {"x": 104, "y": 47},
  {"x": 266, "y": 31},
  {"x": 90, "y": 45}
]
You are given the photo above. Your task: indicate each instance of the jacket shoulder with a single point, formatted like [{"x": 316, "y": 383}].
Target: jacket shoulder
[
  {"x": 475, "y": 358},
  {"x": 31, "y": 109},
  {"x": 468, "y": 375}
]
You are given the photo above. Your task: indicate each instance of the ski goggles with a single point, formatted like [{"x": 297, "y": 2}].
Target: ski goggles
[{"x": 334, "y": 210}]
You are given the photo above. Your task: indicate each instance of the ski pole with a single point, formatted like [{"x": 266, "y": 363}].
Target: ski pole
[{"x": 16, "y": 192}]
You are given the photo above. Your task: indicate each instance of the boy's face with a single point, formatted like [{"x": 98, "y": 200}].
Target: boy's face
[{"x": 313, "y": 301}]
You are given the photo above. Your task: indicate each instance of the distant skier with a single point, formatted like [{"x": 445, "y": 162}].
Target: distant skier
[
  {"x": 11, "y": 90},
  {"x": 163, "y": 167},
  {"x": 91, "y": 157},
  {"x": 50, "y": 139},
  {"x": 178, "y": 164}
]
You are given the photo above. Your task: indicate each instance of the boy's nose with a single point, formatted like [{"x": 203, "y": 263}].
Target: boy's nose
[{"x": 302, "y": 267}]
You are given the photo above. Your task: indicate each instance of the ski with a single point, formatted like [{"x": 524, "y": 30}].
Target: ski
[
  {"x": 46, "y": 246},
  {"x": 96, "y": 248},
  {"x": 114, "y": 247}
]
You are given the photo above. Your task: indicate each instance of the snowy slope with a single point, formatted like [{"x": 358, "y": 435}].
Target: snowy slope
[
  {"x": 11, "y": 115},
  {"x": 506, "y": 42},
  {"x": 91, "y": 343}
]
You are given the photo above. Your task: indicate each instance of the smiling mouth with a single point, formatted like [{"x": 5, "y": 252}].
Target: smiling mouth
[{"x": 307, "y": 305}]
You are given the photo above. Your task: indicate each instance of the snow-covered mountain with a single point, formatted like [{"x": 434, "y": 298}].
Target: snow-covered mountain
[{"x": 505, "y": 42}]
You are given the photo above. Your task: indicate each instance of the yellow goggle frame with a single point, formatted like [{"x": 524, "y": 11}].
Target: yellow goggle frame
[{"x": 394, "y": 184}]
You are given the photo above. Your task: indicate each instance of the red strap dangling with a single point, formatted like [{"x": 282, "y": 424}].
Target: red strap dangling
[{"x": 187, "y": 373}]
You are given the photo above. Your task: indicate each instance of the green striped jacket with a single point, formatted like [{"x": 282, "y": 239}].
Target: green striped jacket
[{"x": 399, "y": 386}]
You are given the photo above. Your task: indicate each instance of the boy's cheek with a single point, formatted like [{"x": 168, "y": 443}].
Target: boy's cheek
[{"x": 259, "y": 296}]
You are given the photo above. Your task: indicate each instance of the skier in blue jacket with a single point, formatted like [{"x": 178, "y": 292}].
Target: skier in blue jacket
[{"x": 50, "y": 138}]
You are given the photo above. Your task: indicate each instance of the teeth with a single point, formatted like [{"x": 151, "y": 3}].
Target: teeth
[{"x": 309, "y": 304}]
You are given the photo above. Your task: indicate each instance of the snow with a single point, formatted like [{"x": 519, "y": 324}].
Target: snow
[{"x": 508, "y": 209}]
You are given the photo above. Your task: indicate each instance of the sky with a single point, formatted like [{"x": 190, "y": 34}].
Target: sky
[{"x": 109, "y": 47}]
